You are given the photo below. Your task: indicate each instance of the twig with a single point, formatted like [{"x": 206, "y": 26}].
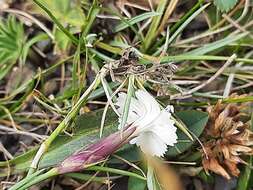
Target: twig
[
  {"x": 35, "y": 136},
  {"x": 228, "y": 86},
  {"x": 231, "y": 13},
  {"x": 209, "y": 33},
  {"x": 234, "y": 23},
  {"x": 171, "y": 7},
  {"x": 229, "y": 61},
  {"x": 5, "y": 151}
]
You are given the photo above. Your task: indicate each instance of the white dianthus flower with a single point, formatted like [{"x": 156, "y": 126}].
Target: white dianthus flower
[{"x": 155, "y": 128}]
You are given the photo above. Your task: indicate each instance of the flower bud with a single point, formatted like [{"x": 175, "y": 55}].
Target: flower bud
[{"x": 95, "y": 152}]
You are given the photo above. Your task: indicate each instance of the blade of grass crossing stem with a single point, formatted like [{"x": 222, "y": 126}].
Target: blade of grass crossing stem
[
  {"x": 244, "y": 178},
  {"x": 154, "y": 26},
  {"x": 186, "y": 57},
  {"x": 66, "y": 121},
  {"x": 60, "y": 26},
  {"x": 127, "y": 103}
]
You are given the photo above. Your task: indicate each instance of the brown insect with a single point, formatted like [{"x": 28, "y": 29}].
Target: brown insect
[{"x": 128, "y": 64}]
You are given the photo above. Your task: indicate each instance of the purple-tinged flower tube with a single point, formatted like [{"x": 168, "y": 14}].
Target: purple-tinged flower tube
[{"x": 95, "y": 152}]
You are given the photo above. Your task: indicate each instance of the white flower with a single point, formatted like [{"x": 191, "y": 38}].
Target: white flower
[{"x": 155, "y": 129}]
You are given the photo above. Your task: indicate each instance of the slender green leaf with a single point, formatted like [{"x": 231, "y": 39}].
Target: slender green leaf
[{"x": 134, "y": 20}]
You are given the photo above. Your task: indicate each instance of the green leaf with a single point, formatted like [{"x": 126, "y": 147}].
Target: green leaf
[
  {"x": 195, "y": 122},
  {"x": 225, "y": 5}
]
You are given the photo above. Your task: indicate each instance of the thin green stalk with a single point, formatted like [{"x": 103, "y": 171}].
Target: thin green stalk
[
  {"x": 30, "y": 181},
  {"x": 87, "y": 177},
  {"x": 109, "y": 48},
  {"x": 116, "y": 171},
  {"x": 213, "y": 102},
  {"x": 76, "y": 71},
  {"x": 26, "y": 180}
]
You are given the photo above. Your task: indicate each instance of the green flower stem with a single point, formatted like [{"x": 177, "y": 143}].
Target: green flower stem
[
  {"x": 87, "y": 177},
  {"x": 26, "y": 180},
  {"x": 66, "y": 121},
  {"x": 29, "y": 181},
  {"x": 116, "y": 171}
]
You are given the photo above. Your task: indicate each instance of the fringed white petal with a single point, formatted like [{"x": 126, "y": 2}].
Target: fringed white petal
[
  {"x": 155, "y": 128},
  {"x": 151, "y": 144},
  {"x": 149, "y": 107}
]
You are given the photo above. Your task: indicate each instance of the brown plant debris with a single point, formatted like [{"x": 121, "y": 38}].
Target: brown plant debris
[{"x": 226, "y": 140}]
